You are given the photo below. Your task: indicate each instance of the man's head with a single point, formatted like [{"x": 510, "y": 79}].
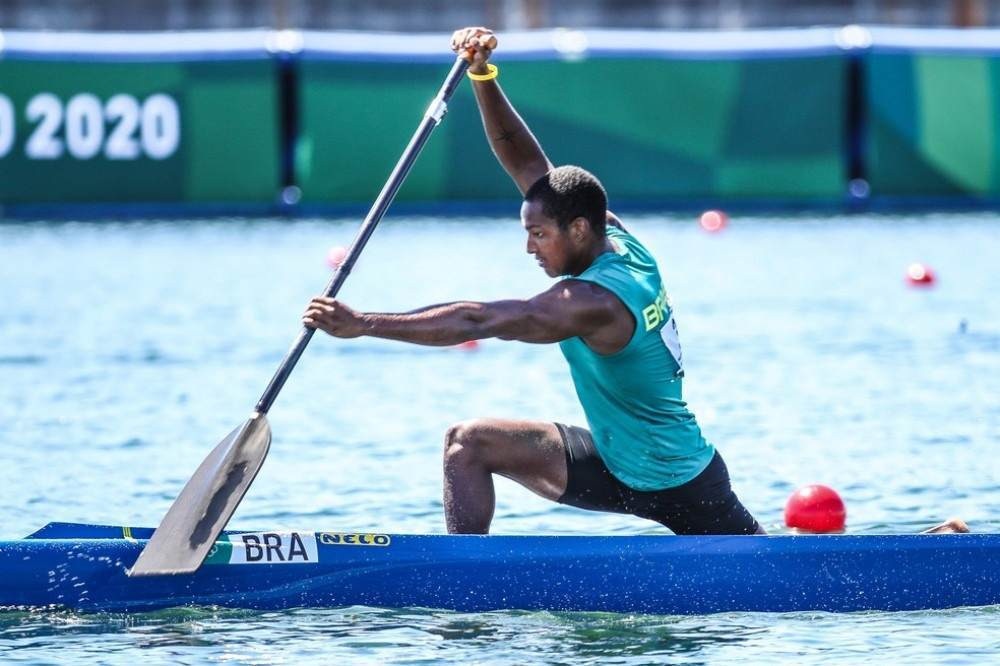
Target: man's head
[{"x": 564, "y": 213}]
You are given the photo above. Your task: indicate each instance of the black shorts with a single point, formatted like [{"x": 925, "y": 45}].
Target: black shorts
[{"x": 704, "y": 505}]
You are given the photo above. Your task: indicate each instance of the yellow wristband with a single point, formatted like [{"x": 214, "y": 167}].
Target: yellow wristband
[{"x": 492, "y": 74}]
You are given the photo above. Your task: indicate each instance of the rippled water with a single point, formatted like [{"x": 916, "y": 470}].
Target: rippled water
[{"x": 128, "y": 350}]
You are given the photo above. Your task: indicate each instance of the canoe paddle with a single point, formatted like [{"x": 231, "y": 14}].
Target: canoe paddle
[{"x": 188, "y": 531}]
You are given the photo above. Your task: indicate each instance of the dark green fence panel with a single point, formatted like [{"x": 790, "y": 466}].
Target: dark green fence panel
[
  {"x": 656, "y": 122},
  {"x": 933, "y": 113}
]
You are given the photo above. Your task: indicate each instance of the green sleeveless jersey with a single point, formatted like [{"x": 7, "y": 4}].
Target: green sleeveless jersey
[{"x": 642, "y": 428}]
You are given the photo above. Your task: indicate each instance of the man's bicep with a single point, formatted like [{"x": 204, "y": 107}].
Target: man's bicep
[{"x": 572, "y": 308}]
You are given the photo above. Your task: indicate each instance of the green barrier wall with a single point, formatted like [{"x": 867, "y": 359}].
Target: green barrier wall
[
  {"x": 933, "y": 124},
  {"x": 651, "y": 129},
  {"x": 155, "y": 132},
  {"x": 222, "y": 122}
]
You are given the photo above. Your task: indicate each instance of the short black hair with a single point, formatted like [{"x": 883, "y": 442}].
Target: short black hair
[{"x": 569, "y": 192}]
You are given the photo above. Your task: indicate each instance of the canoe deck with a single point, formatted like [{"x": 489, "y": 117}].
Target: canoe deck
[{"x": 84, "y": 567}]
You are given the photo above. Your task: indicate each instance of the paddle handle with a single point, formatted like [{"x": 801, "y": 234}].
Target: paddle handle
[{"x": 432, "y": 117}]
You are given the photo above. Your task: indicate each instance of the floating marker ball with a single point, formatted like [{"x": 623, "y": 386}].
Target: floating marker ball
[
  {"x": 468, "y": 345},
  {"x": 713, "y": 220},
  {"x": 335, "y": 256},
  {"x": 816, "y": 508},
  {"x": 920, "y": 275}
]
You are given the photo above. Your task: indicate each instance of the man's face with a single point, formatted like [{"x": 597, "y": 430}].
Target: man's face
[{"x": 549, "y": 244}]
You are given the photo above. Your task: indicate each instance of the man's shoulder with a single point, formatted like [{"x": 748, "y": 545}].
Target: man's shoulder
[
  {"x": 590, "y": 293},
  {"x": 583, "y": 286}
]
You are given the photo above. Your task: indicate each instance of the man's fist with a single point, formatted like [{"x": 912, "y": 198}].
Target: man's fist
[{"x": 475, "y": 45}]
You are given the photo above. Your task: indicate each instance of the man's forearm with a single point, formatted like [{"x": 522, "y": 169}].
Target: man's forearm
[
  {"x": 512, "y": 142},
  {"x": 436, "y": 325}
]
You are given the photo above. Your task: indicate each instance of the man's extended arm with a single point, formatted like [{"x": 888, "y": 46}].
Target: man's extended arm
[
  {"x": 515, "y": 147},
  {"x": 570, "y": 308}
]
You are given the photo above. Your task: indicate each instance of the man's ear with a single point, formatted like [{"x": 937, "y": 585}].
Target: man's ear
[{"x": 579, "y": 228}]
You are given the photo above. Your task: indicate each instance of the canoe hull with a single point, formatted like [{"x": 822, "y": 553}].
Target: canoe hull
[{"x": 637, "y": 574}]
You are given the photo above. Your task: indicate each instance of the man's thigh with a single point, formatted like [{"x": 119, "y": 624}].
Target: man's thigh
[{"x": 531, "y": 453}]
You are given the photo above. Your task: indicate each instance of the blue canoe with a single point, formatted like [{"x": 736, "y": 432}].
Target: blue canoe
[{"x": 84, "y": 567}]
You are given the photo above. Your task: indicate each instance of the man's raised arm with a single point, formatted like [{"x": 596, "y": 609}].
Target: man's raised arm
[{"x": 512, "y": 142}]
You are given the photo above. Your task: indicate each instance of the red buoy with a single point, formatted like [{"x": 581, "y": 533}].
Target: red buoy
[
  {"x": 920, "y": 275},
  {"x": 816, "y": 508},
  {"x": 468, "y": 345},
  {"x": 713, "y": 221}
]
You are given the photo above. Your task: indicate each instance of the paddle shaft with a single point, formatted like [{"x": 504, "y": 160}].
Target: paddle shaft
[{"x": 435, "y": 112}]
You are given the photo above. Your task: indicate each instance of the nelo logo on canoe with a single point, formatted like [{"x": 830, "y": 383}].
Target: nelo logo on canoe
[{"x": 345, "y": 539}]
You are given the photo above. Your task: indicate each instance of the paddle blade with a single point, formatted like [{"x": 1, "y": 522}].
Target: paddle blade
[{"x": 188, "y": 531}]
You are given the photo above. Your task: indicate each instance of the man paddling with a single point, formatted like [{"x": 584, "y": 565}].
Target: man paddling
[{"x": 644, "y": 453}]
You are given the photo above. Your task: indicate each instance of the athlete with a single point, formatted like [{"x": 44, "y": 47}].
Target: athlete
[{"x": 644, "y": 453}]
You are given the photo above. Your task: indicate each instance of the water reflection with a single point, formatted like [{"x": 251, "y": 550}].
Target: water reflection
[
  {"x": 355, "y": 634},
  {"x": 609, "y": 635}
]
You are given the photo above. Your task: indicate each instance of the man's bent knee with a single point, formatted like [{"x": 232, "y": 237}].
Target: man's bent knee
[{"x": 464, "y": 443}]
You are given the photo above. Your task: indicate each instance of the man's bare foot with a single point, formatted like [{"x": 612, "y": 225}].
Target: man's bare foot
[{"x": 950, "y": 526}]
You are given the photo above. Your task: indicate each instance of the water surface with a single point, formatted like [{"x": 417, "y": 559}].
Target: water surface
[{"x": 128, "y": 350}]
